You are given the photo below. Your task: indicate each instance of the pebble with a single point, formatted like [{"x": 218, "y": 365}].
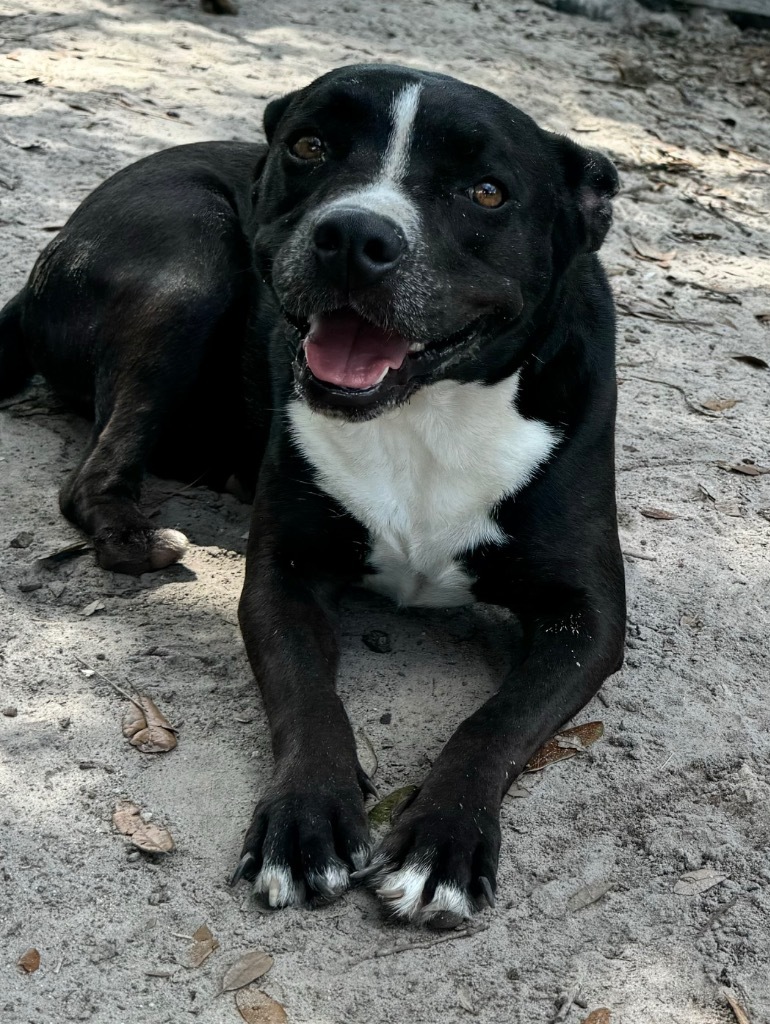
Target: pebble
[
  {"x": 10, "y": 712},
  {"x": 21, "y": 540},
  {"x": 378, "y": 641}
]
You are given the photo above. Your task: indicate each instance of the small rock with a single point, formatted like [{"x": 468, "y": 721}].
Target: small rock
[
  {"x": 94, "y": 606},
  {"x": 386, "y": 719},
  {"x": 10, "y": 712},
  {"x": 378, "y": 641},
  {"x": 22, "y": 540},
  {"x": 30, "y": 587},
  {"x": 64, "y": 723}
]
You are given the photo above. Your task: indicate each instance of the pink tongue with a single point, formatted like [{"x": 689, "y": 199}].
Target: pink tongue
[{"x": 343, "y": 349}]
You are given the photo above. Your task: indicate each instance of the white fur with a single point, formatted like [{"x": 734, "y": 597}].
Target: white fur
[
  {"x": 401, "y": 892},
  {"x": 276, "y": 881},
  {"x": 384, "y": 195},
  {"x": 424, "y": 479},
  {"x": 168, "y": 546},
  {"x": 332, "y": 881}
]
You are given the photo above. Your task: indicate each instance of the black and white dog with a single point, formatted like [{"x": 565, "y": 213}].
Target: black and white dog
[{"x": 390, "y": 325}]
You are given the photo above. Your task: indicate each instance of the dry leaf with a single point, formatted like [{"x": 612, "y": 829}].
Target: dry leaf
[
  {"x": 657, "y": 513},
  {"x": 720, "y": 404},
  {"x": 747, "y": 468},
  {"x": 566, "y": 744},
  {"x": 144, "y": 835},
  {"x": 740, "y": 1014},
  {"x": 148, "y": 729},
  {"x": 464, "y": 999},
  {"x": 693, "y": 883},
  {"x": 588, "y": 894},
  {"x": 749, "y": 360},
  {"x": 94, "y": 606},
  {"x": 247, "y": 969},
  {"x": 203, "y": 946},
  {"x": 600, "y": 1016},
  {"x": 367, "y": 756},
  {"x": 764, "y": 318},
  {"x": 256, "y": 1007},
  {"x": 647, "y": 252},
  {"x": 29, "y": 961}
]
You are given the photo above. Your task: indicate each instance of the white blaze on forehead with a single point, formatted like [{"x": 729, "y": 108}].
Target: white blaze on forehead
[
  {"x": 403, "y": 112},
  {"x": 384, "y": 196}
]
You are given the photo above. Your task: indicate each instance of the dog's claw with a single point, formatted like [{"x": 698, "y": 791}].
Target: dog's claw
[
  {"x": 368, "y": 786},
  {"x": 243, "y": 865},
  {"x": 390, "y": 894},
  {"x": 487, "y": 890}
]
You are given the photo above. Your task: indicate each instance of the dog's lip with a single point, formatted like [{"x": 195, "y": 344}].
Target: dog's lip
[{"x": 420, "y": 357}]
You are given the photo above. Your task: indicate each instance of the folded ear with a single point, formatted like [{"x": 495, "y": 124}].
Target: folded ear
[
  {"x": 274, "y": 111},
  {"x": 590, "y": 181}
]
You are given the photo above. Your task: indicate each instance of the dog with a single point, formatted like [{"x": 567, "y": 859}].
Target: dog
[{"x": 388, "y": 324}]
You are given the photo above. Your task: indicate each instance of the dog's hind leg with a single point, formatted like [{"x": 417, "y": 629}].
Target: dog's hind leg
[{"x": 101, "y": 496}]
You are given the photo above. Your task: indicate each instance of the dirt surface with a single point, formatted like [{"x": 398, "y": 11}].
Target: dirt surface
[{"x": 681, "y": 780}]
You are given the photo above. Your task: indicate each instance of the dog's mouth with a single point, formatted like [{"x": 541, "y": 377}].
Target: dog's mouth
[{"x": 349, "y": 361}]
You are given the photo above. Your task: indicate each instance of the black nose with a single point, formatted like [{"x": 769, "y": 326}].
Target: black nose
[{"x": 355, "y": 248}]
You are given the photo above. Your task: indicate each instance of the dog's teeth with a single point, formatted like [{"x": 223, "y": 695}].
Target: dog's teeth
[{"x": 417, "y": 346}]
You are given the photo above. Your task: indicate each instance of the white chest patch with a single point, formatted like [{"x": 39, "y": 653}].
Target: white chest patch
[{"x": 424, "y": 480}]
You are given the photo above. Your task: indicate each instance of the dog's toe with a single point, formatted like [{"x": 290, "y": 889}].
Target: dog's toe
[{"x": 304, "y": 846}]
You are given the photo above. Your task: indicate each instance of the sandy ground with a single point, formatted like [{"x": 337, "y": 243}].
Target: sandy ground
[{"x": 681, "y": 780}]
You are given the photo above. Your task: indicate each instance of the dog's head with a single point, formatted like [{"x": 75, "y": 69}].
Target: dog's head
[{"x": 411, "y": 226}]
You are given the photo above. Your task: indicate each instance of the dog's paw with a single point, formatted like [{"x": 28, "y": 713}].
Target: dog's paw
[
  {"x": 438, "y": 865},
  {"x": 303, "y": 846},
  {"x": 136, "y": 551}
]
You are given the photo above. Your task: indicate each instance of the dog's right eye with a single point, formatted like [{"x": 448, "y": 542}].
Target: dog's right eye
[{"x": 308, "y": 147}]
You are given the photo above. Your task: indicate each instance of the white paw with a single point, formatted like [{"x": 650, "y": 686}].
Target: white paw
[
  {"x": 168, "y": 546},
  {"x": 401, "y": 892},
  {"x": 275, "y": 881}
]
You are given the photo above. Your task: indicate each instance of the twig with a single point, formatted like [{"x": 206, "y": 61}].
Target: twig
[
  {"x": 692, "y": 406},
  {"x": 566, "y": 1005},
  {"x": 716, "y": 915},
  {"x": 740, "y": 1014},
  {"x": 109, "y": 682},
  {"x": 655, "y": 314},
  {"x": 405, "y": 947}
]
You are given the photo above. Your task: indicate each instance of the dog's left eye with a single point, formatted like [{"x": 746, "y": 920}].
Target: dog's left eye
[
  {"x": 308, "y": 147},
  {"x": 488, "y": 194}
]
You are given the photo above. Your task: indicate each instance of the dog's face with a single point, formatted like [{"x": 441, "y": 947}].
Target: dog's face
[{"x": 411, "y": 226}]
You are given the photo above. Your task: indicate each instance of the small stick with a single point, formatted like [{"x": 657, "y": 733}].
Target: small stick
[
  {"x": 404, "y": 947},
  {"x": 740, "y": 1014},
  {"x": 109, "y": 682},
  {"x": 640, "y": 554},
  {"x": 667, "y": 383}
]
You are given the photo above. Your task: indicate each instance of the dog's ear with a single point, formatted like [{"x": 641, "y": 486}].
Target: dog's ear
[
  {"x": 591, "y": 181},
  {"x": 274, "y": 111}
]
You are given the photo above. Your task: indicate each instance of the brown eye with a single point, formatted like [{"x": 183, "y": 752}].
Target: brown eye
[
  {"x": 486, "y": 193},
  {"x": 309, "y": 147}
]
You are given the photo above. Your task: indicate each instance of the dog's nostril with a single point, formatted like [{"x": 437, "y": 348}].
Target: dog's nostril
[
  {"x": 382, "y": 250},
  {"x": 328, "y": 237}
]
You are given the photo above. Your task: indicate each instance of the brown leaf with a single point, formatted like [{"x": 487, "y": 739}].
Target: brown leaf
[
  {"x": 29, "y": 961},
  {"x": 755, "y": 361},
  {"x": 647, "y": 252},
  {"x": 747, "y": 468},
  {"x": 148, "y": 729},
  {"x": 600, "y": 1016},
  {"x": 203, "y": 946},
  {"x": 657, "y": 513},
  {"x": 566, "y": 744},
  {"x": 589, "y": 894},
  {"x": 720, "y": 404},
  {"x": 387, "y": 809},
  {"x": 764, "y": 318},
  {"x": 256, "y": 1007},
  {"x": 144, "y": 835},
  {"x": 693, "y": 883},
  {"x": 248, "y": 968},
  {"x": 740, "y": 1014}
]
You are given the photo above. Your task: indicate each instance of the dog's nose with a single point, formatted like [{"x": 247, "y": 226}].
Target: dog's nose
[{"x": 355, "y": 248}]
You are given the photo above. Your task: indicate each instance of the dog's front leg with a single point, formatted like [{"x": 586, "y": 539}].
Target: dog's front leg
[
  {"x": 309, "y": 830},
  {"x": 441, "y": 857}
]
